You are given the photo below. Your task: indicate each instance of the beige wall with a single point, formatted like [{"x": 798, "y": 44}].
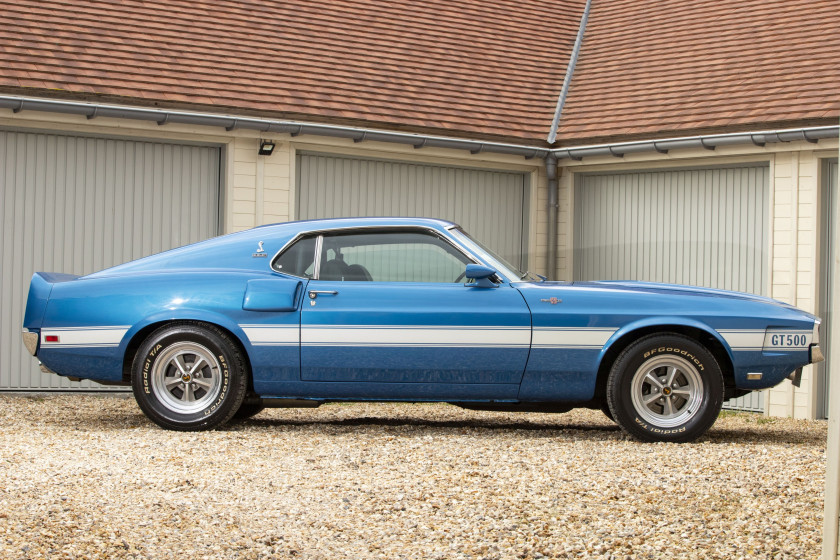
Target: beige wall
[
  {"x": 794, "y": 247},
  {"x": 260, "y": 190}
]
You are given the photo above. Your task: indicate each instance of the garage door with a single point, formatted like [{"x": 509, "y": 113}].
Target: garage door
[
  {"x": 488, "y": 204},
  {"x": 77, "y": 204},
  {"x": 704, "y": 227}
]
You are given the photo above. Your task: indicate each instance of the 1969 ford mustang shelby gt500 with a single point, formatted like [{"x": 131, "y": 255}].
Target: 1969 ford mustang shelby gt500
[{"x": 402, "y": 309}]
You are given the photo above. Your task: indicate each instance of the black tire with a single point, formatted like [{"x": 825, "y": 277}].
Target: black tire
[
  {"x": 665, "y": 387},
  {"x": 249, "y": 409},
  {"x": 189, "y": 377}
]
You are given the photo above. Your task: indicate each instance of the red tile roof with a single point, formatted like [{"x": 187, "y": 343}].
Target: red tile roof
[
  {"x": 442, "y": 66},
  {"x": 657, "y": 68},
  {"x": 490, "y": 69}
]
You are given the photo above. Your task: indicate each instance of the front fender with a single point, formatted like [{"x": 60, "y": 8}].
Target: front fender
[{"x": 661, "y": 322}]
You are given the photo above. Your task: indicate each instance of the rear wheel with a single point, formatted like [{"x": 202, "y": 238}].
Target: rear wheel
[
  {"x": 665, "y": 388},
  {"x": 189, "y": 377}
]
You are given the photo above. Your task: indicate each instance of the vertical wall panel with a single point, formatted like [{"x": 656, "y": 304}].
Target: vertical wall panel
[
  {"x": 488, "y": 204},
  {"x": 828, "y": 202},
  {"x": 78, "y": 205},
  {"x": 702, "y": 227}
]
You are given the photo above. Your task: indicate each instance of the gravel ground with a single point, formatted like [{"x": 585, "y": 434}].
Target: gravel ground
[{"x": 90, "y": 477}]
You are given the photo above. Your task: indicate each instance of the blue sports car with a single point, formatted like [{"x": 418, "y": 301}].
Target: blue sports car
[{"x": 405, "y": 309}]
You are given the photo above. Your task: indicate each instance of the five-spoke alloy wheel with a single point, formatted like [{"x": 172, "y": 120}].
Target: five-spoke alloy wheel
[
  {"x": 665, "y": 388},
  {"x": 189, "y": 377}
]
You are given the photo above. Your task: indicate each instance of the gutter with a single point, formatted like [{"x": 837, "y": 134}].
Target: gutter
[
  {"x": 358, "y": 134},
  {"x": 295, "y": 128},
  {"x": 709, "y": 142}
]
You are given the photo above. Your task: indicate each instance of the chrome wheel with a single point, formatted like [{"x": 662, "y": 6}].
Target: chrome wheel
[
  {"x": 667, "y": 391},
  {"x": 186, "y": 378}
]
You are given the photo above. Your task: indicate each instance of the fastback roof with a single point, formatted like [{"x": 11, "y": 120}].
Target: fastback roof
[
  {"x": 657, "y": 68},
  {"x": 450, "y": 67}
]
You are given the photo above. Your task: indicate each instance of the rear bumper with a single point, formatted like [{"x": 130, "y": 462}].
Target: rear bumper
[{"x": 815, "y": 354}]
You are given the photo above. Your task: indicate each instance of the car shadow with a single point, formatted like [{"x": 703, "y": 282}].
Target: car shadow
[
  {"x": 422, "y": 426},
  {"x": 419, "y": 427}
]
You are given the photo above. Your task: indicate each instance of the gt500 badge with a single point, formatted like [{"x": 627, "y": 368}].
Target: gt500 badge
[{"x": 787, "y": 340}]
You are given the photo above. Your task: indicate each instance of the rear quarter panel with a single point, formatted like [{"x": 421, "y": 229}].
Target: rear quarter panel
[{"x": 96, "y": 318}]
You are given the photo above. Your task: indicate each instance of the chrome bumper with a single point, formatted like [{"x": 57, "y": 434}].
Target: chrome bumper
[
  {"x": 815, "y": 354},
  {"x": 30, "y": 340}
]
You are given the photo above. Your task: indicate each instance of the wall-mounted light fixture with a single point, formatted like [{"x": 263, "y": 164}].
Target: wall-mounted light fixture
[{"x": 266, "y": 147}]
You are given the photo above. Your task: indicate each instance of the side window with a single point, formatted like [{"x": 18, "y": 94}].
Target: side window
[
  {"x": 299, "y": 259},
  {"x": 401, "y": 256}
]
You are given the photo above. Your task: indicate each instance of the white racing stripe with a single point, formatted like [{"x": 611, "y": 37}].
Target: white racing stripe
[
  {"x": 84, "y": 337},
  {"x": 755, "y": 340},
  {"x": 571, "y": 338},
  {"x": 744, "y": 339},
  {"x": 272, "y": 335},
  {"x": 448, "y": 336},
  {"x": 416, "y": 336}
]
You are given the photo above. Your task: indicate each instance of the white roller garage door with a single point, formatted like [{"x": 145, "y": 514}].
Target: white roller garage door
[
  {"x": 704, "y": 227},
  {"x": 77, "y": 204},
  {"x": 491, "y": 205}
]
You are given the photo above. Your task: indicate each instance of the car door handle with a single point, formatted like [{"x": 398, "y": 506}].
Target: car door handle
[{"x": 315, "y": 293}]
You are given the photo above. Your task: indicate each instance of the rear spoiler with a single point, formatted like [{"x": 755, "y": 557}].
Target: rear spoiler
[{"x": 39, "y": 294}]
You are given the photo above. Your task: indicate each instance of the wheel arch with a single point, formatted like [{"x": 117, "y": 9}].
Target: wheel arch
[
  {"x": 625, "y": 337},
  {"x": 139, "y": 333}
]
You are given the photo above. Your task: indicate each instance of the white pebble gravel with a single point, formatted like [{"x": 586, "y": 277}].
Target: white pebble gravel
[{"x": 90, "y": 477}]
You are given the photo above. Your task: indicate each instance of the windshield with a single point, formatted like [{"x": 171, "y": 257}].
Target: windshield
[{"x": 512, "y": 272}]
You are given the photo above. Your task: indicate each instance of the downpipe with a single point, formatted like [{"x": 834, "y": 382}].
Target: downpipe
[{"x": 551, "y": 173}]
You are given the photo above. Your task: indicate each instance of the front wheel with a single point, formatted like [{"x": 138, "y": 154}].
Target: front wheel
[
  {"x": 189, "y": 377},
  {"x": 665, "y": 388}
]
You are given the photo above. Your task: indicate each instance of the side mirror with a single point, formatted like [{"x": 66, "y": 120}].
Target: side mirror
[{"x": 481, "y": 274}]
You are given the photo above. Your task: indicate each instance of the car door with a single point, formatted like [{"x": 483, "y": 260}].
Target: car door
[{"x": 390, "y": 306}]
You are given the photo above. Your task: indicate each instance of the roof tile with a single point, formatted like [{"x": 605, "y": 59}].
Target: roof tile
[
  {"x": 654, "y": 68},
  {"x": 491, "y": 69},
  {"x": 432, "y": 65}
]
